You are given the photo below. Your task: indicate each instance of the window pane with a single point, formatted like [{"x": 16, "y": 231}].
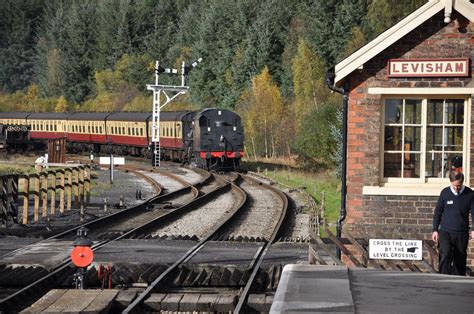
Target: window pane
[
  {"x": 412, "y": 111},
  {"x": 454, "y": 138},
  {"x": 434, "y": 138},
  {"x": 435, "y": 111},
  {"x": 393, "y": 138},
  {"x": 412, "y": 138},
  {"x": 434, "y": 165},
  {"x": 392, "y": 165},
  {"x": 455, "y": 111},
  {"x": 439, "y": 165},
  {"x": 412, "y": 165},
  {"x": 393, "y": 111}
]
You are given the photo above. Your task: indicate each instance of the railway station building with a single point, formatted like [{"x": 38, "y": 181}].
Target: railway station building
[{"x": 409, "y": 120}]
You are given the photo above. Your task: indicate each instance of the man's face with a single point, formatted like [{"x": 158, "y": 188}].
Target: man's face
[{"x": 457, "y": 185}]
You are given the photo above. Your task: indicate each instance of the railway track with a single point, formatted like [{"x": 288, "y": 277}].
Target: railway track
[
  {"x": 140, "y": 223},
  {"x": 242, "y": 291},
  {"x": 61, "y": 266}
]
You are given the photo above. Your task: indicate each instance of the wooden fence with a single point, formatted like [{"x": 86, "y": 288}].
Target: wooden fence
[{"x": 52, "y": 191}]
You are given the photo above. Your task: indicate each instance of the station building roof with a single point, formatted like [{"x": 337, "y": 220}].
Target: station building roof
[{"x": 386, "y": 39}]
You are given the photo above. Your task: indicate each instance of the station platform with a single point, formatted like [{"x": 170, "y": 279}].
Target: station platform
[{"x": 310, "y": 289}]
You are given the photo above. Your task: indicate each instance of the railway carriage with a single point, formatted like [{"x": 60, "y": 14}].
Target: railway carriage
[
  {"x": 14, "y": 118},
  {"x": 47, "y": 125},
  {"x": 212, "y": 138},
  {"x": 86, "y": 131},
  {"x": 128, "y": 132}
]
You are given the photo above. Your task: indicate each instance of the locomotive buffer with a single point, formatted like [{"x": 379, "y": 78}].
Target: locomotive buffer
[{"x": 170, "y": 92}]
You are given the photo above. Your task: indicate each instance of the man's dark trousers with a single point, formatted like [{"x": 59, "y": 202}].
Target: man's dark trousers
[{"x": 453, "y": 247}]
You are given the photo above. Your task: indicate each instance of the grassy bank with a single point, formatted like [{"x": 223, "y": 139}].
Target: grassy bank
[
  {"x": 16, "y": 169},
  {"x": 314, "y": 183}
]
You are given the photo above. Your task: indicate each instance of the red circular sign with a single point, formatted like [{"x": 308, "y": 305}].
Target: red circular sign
[{"x": 82, "y": 256}]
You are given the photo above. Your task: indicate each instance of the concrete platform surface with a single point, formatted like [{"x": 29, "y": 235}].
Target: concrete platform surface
[{"x": 310, "y": 289}]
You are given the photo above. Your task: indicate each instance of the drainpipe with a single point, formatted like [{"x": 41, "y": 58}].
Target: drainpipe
[{"x": 330, "y": 75}]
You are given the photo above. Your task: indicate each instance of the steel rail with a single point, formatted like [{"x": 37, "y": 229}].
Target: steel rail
[
  {"x": 261, "y": 255},
  {"x": 134, "y": 306},
  {"x": 12, "y": 301}
]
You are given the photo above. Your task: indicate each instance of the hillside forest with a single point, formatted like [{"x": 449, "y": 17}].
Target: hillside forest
[{"x": 264, "y": 59}]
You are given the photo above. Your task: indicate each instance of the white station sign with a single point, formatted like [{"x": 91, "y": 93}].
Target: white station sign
[
  {"x": 396, "y": 249},
  {"x": 428, "y": 68},
  {"x": 117, "y": 160}
]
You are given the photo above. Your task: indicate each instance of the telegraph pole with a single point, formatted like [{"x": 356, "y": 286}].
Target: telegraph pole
[{"x": 170, "y": 92}]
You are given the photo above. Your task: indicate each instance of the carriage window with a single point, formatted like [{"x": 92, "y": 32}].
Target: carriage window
[
  {"x": 55, "y": 128},
  {"x": 141, "y": 131}
]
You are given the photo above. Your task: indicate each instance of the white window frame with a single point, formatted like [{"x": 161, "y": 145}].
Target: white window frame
[
  {"x": 420, "y": 186},
  {"x": 466, "y": 140}
]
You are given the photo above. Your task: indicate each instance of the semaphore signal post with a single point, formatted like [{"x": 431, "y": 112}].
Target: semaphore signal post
[{"x": 170, "y": 92}]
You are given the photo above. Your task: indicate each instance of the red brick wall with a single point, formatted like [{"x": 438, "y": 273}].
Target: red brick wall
[{"x": 399, "y": 216}]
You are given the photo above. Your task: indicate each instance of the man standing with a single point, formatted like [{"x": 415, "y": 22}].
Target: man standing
[{"x": 452, "y": 213}]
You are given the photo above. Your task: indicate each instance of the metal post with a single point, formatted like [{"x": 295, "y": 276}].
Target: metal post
[
  {"x": 155, "y": 126},
  {"x": 111, "y": 169}
]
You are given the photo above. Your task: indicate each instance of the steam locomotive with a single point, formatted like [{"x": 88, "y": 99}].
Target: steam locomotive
[{"x": 210, "y": 138}]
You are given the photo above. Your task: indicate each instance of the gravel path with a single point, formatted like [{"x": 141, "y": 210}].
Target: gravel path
[
  {"x": 200, "y": 221},
  {"x": 259, "y": 219},
  {"x": 125, "y": 184}
]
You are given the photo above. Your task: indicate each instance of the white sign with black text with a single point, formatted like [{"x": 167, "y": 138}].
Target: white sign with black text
[{"x": 396, "y": 249}]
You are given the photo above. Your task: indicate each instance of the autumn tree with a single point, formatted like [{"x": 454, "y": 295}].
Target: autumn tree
[
  {"x": 308, "y": 81},
  {"x": 61, "y": 105},
  {"x": 263, "y": 112}
]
